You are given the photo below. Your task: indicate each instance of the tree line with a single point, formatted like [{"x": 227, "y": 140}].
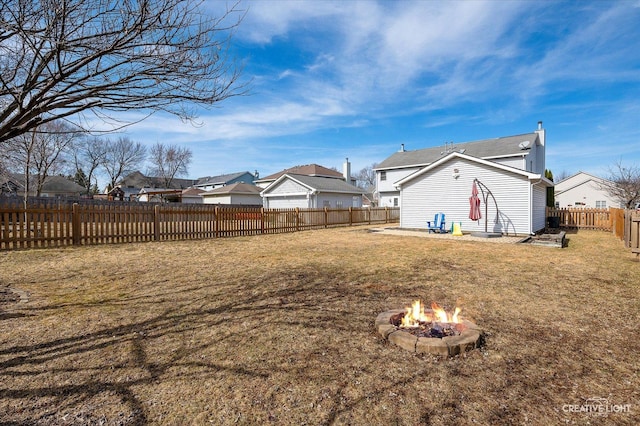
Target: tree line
[
  {"x": 64, "y": 63},
  {"x": 58, "y": 149}
]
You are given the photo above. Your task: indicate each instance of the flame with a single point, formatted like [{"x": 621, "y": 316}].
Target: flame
[{"x": 415, "y": 314}]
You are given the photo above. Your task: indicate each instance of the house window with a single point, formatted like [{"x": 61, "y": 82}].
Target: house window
[
  {"x": 326, "y": 203},
  {"x": 339, "y": 204},
  {"x": 383, "y": 175},
  {"x": 601, "y": 204},
  {"x": 395, "y": 201}
]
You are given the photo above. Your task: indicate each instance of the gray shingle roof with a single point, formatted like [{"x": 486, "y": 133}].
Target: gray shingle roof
[
  {"x": 307, "y": 169},
  {"x": 220, "y": 179},
  {"x": 487, "y": 149},
  {"x": 324, "y": 184}
]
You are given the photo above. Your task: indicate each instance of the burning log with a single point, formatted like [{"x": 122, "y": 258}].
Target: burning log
[{"x": 429, "y": 331}]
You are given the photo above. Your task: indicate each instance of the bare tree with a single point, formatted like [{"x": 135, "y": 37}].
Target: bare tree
[
  {"x": 63, "y": 58},
  {"x": 624, "y": 183},
  {"x": 89, "y": 155},
  {"x": 170, "y": 161},
  {"x": 122, "y": 157},
  {"x": 366, "y": 178},
  {"x": 41, "y": 153},
  {"x": 5, "y": 173}
]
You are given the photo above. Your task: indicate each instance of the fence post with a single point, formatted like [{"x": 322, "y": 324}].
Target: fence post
[
  {"x": 386, "y": 214},
  {"x": 75, "y": 224},
  {"x": 216, "y": 231},
  {"x": 297, "y": 219},
  {"x": 156, "y": 222},
  {"x": 350, "y": 216},
  {"x": 326, "y": 217},
  {"x": 262, "y": 220}
]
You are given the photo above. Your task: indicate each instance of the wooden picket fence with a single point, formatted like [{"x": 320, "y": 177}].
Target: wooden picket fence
[{"x": 43, "y": 225}]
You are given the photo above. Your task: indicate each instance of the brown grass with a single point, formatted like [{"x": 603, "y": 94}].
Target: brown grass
[{"x": 279, "y": 329}]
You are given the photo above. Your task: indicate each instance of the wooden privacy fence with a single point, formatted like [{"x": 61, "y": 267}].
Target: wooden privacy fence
[
  {"x": 631, "y": 235},
  {"x": 42, "y": 225},
  {"x": 624, "y": 224},
  {"x": 583, "y": 218}
]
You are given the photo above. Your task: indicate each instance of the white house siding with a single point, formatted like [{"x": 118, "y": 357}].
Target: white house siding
[
  {"x": 287, "y": 194},
  {"x": 246, "y": 199},
  {"x": 219, "y": 199},
  {"x": 539, "y": 219},
  {"x": 333, "y": 198},
  {"x": 192, "y": 200},
  {"x": 438, "y": 191},
  {"x": 386, "y": 199},
  {"x": 287, "y": 202},
  {"x": 386, "y": 188},
  {"x": 583, "y": 190},
  {"x": 517, "y": 162},
  {"x": 288, "y": 186}
]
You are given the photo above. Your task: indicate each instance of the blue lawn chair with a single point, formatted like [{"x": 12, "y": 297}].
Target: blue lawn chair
[{"x": 438, "y": 224}]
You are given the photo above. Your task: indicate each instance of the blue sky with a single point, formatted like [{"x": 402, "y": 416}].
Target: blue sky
[{"x": 356, "y": 79}]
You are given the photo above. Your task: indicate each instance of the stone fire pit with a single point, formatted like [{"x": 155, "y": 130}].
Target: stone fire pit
[
  {"x": 468, "y": 339},
  {"x": 548, "y": 239}
]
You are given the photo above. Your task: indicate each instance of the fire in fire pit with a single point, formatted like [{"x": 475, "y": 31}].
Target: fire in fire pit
[{"x": 432, "y": 330}]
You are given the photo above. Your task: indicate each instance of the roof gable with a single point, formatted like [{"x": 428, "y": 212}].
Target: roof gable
[
  {"x": 317, "y": 184},
  {"x": 488, "y": 163},
  {"x": 579, "y": 179}
]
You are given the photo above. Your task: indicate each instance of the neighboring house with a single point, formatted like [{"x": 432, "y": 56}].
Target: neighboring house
[
  {"x": 53, "y": 187},
  {"x": 310, "y": 170},
  {"x": 192, "y": 196},
  {"x": 585, "y": 190},
  {"x": 236, "y": 193},
  {"x": 427, "y": 181},
  {"x": 159, "y": 195},
  {"x": 136, "y": 181},
  {"x": 212, "y": 182},
  {"x": 302, "y": 191},
  {"x": 168, "y": 195}
]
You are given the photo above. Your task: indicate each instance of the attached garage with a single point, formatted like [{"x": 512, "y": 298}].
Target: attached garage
[{"x": 310, "y": 192}]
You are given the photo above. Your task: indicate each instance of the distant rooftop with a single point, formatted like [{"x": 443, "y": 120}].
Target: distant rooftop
[{"x": 307, "y": 170}]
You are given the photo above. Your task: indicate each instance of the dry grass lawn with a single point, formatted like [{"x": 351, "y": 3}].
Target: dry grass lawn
[{"x": 279, "y": 329}]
